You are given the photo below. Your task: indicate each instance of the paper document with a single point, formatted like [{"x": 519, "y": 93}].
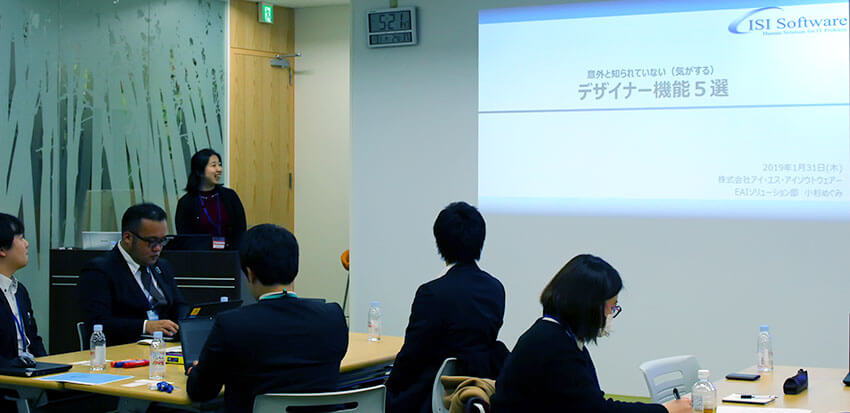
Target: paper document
[
  {"x": 84, "y": 378},
  {"x": 752, "y": 399},
  {"x": 738, "y": 409}
]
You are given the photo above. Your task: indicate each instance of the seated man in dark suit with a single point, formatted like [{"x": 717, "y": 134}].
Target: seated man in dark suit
[
  {"x": 457, "y": 315},
  {"x": 18, "y": 331},
  {"x": 281, "y": 343},
  {"x": 129, "y": 289}
]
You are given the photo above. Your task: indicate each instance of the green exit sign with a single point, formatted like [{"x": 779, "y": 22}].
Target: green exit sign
[{"x": 266, "y": 13}]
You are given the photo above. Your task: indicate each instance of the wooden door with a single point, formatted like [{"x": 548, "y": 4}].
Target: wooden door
[{"x": 261, "y": 115}]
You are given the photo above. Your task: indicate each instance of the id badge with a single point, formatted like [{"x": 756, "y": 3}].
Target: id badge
[
  {"x": 152, "y": 315},
  {"x": 218, "y": 243}
]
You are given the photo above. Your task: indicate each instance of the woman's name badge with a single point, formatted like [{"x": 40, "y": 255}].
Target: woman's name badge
[{"x": 218, "y": 243}]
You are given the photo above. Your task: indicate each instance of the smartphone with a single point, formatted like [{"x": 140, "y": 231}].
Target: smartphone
[{"x": 743, "y": 376}]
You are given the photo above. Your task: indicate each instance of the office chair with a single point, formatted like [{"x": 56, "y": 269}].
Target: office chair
[
  {"x": 370, "y": 399},
  {"x": 662, "y": 375},
  {"x": 81, "y": 335}
]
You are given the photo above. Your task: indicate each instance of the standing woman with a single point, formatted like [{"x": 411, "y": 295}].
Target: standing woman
[
  {"x": 208, "y": 207},
  {"x": 550, "y": 368}
]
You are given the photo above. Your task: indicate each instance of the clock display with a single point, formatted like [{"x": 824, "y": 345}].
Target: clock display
[
  {"x": 391, "y": 27},
  {"x": 391, "y": 21},
  {"x": 390, "y": 38}
]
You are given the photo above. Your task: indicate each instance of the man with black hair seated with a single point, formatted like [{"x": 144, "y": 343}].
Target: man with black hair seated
[
  {"x": 280, "y": 344},
  {"x": 18, "y": 331},
  {"x": 457, "y": 315},
  {"x": 129, "y": 289},
  {"x": 19, "y": 339}
]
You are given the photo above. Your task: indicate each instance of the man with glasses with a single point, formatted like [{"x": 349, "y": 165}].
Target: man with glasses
[{"x": 129, "y": 289}]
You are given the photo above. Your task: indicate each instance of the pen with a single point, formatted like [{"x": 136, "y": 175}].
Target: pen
[
  {"x": 676, "y": 393},
  {"x": 754, "y": 396}
]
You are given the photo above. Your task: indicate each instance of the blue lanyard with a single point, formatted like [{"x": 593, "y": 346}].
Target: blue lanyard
[
  {"x": 204, "y": 208},
  {"x": 20, "y": 326}
]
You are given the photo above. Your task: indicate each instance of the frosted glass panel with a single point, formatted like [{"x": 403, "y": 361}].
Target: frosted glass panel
[{"x": 107, "y": 100}]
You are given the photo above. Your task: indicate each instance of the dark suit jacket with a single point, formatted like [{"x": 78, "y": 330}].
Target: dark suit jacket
[
  {"x": 8, "y": 328},
  {"x": 188, "y": 216},
  {"x": 110, "y": 295},
  {"x": 283, "y": 344},
  {"x": 456, "y": 315},
  {"x": 546, "y": 371}
]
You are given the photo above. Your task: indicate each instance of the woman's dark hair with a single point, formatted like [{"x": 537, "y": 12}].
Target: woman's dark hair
[
  {"x": 459, "y": 230},
  {"x": 198, "y": 167},
  {"x": 577, "y": 295},
  {"x": 271, "y": 252},
  {"x": 10, "y": 226}
]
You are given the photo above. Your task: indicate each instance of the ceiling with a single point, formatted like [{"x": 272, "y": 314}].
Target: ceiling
[{"x": 306, "y": 3}]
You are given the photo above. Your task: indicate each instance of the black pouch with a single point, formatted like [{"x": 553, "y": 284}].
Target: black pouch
[{"x": 796, "y": 383}]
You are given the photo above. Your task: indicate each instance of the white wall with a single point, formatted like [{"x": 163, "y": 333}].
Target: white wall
[
  {"x": 322, "y": 148},
  {"x": 692, "y": 286}
]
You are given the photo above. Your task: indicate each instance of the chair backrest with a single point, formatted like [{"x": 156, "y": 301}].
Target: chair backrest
[
  {"x": 662, "y": 375},
  {"x": 81, "y": 335},
  {"x": 448, "y": 368},
  {"x": 370, "y": 399}
]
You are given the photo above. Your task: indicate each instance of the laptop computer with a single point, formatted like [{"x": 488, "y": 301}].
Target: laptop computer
[
  {"x": 212, "y": 308},
  {"x": 41, "y": 369},
  {"x": 189, "y": 242},
  {"x": 95, "y": 240},
  {"x": 193, "y": 336}
]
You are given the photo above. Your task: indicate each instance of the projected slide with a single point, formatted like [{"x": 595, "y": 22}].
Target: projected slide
[{"x": 726, "y": 108}]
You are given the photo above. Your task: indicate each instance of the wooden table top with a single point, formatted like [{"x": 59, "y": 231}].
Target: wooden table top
[
  {"x": 826, "y": 392},
  {"x": 361, "y": 353}
]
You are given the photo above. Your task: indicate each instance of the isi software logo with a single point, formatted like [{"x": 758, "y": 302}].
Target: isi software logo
[{"x": 774, "y": 20}]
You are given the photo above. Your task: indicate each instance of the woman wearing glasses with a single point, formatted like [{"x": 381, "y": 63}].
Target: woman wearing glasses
[
  {"x": 208, "y": 207},
  {"x": 550, "y": 368}
]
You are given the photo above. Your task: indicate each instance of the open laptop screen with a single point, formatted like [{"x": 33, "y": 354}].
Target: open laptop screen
[{"x": 193, "y": 336}]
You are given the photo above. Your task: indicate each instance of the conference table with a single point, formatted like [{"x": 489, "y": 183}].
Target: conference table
[
  {"x": 826, "y": 392},
  {"x": 361, "y": 354}
]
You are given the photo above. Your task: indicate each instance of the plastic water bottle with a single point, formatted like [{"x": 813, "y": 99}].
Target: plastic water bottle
[
  {"x": 97, "y": 349},
  {"x": 375, "y": 321},
  {"x": 157, "y": 361},
  {"x": 704, "y": 394},
  {"x": 765, "y": 350}
]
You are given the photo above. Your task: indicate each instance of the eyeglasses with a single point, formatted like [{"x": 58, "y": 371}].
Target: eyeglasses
[
  {"x": 615, "y": 311},
  {"x": 153, "y": 242}
]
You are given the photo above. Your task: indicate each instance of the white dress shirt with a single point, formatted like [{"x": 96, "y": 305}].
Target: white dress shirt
[
  {"x": 136, "y": 270},
  {"x": 9, "y": 285}
]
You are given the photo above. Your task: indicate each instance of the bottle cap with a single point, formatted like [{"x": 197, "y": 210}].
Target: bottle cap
[
  {"x": 375, "y": 304},
  {"x": 157, "y": 334},
  {"x": 703, "y": 374},
  {"x": 98, "y": 327},
  {"x": 764, "y": 327}
]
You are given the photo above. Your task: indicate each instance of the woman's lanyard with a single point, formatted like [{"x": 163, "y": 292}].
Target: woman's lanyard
[
  {"x": 217, "y": 225},
  {"x": 24, "y": 340},
  {"x": 283, "y": 293},
  {"x": 555, "y": 320}
]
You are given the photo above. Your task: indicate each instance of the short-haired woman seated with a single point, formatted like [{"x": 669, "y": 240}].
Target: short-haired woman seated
[{"x": 550, "y": 368}]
